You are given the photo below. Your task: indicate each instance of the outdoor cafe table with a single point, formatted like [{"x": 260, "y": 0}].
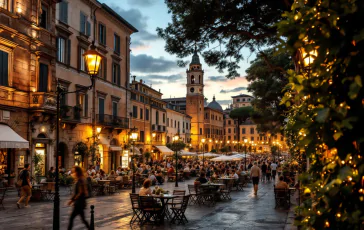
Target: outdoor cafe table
[
  {"x": 212, "y": 187},
  {"x": 226, "y": 180},
  {"x": 103, "y": 183},
  {"x": 164, "y": 200}
]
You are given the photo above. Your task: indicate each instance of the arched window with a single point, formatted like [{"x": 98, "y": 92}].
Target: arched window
[{"x": 192, "y": 79}]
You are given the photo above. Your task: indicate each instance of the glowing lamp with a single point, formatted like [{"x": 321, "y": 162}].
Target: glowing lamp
[
  {"x": 92, "y": 60},
  {"x": 134, "y": 136}
]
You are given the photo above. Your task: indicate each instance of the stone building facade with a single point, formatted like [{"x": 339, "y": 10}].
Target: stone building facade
[{"x": 27, "y": 81}]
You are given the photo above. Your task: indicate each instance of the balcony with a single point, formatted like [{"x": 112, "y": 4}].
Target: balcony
[
  {"x": 70, "y": 114},
  {"x": 112, "y": 121},
  {"x": 42, "y": 100},
  {"x": 159, "y": 128}
]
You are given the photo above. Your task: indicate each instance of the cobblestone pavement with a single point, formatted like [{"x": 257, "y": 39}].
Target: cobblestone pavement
[{"x": 244, "y": 211}]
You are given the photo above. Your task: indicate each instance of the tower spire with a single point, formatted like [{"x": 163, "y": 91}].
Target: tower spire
[{"x": 195, "y": 57}]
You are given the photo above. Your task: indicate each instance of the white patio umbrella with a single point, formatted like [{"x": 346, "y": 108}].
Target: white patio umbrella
[
  {"x": 208, "y": 155},
  {"x": 222, "y": 158},
  {"x": 186, "y": 153}
]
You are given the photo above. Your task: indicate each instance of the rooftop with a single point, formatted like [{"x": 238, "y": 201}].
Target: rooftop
[{"x": 242, "y": 95}]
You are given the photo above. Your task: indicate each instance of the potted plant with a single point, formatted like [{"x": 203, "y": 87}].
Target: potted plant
[{"x": 37, "y": 159}]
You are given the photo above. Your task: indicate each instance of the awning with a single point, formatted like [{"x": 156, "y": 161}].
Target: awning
[
  {"x": 9, "y": 139},
  {"x": 186, "y": 153},
  {"x": 164, "y": 149},
  {"x": 115, "y": 148},
  {"x": 136, "y": 151}
]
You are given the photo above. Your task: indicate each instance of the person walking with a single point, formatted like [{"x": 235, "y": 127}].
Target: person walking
[
  {"x": 26, "y": 186},
  {"x": 264, "y": 171},
  {"x": 274, "y": 166},
  {"x": 255, "y": 174},
  {"x": 79, "y": 197}
]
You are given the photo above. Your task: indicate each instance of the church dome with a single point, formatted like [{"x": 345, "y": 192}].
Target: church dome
[
  {"x": 195, "y": 59},
  {"x": 214, "y": 105}
]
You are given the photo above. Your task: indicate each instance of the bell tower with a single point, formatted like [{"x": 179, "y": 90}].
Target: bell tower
[{"x": 195, "y": 100}]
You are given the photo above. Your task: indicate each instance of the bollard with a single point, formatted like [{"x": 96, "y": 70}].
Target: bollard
[{"x": 92, "y": 224}]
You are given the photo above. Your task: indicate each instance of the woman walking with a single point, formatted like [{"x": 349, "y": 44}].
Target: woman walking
[{"x": 79, "y": 197}]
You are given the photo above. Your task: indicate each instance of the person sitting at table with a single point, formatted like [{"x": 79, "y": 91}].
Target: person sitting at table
[
  {"x": 202, "y": 179},
  {"x": 145, "y": 170},
  {"x": 145, "y": 190},
  {"x": 170, "y": 170},
  {"x": 234, "y": 175},
  {"x": 186, "y": 169},
  {"x": 103, "y": 175},
  {"x": 152, "y": 178},
  {"x": 159, "y": 177},
  {"x": 112, "y": 175},
  {"x": 288, "y": 180},
  {"x": 281, "y": 183},
  {"x": 119, "y": 171}
]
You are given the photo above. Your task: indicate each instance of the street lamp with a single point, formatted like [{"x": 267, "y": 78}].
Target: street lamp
[
  {"x": 175, "y": 140},
  {"x": 92, "y": 60},
  {"x": 203, "y": 151},
  {"x": 133, "y": 138},
  {"x": 245, "y": 143}
]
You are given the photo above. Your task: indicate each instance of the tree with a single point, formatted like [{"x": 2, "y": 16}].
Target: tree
[
  {"x": 268, "y": 88},
  {"x": 221, "y": 30},
  {"x": 241, "y": 114},
  {"x": 326, "y": 109}
]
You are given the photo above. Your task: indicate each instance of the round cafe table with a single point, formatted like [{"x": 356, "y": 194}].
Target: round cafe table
[
  {"x": 164, "y": 200},
  {"x": 226, "y": 180}
]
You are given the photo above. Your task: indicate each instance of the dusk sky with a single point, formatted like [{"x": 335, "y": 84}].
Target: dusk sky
[{"x": 158, "y": 68}]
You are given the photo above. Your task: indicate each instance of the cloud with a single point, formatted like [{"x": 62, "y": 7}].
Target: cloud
[
  {"x": 217, "y": 78},
  {"x": 170, "y": 78},
  {"x": 224, "y": 102},
  {"x": 238, "y": 89},
  {"x": 149, "y": 64},
  {"x": 142, "y": 3},
  {"x": 136, "y": 18}
]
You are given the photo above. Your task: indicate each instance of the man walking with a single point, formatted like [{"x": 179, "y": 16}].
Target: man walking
[
  {"x": 26, "y": 186},
  {"x": 255, "y": 174}
]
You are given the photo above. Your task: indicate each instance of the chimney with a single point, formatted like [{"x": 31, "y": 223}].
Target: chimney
[
  {"x": 141, "y": 81},
  {"x": 159, "y": 90},
  {"x": 134, "y": 78}
]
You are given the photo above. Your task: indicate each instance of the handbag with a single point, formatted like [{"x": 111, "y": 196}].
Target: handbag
[{"x": 19, "y": 183}]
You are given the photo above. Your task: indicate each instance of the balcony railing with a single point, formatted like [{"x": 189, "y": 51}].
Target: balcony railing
[
  {"x": 70, "y": 113},
  {"x": 112, "y": 121},
  {"x": 159, "y": 128},
  {"x": 41, "y": 100}
]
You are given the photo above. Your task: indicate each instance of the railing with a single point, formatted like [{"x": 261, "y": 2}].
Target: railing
[
  {"x": 43, "y": 100},
  {"x": 159, "y": 128},
  {"x": 70, "y": 113},
  {"x": 112, "y": 121}
]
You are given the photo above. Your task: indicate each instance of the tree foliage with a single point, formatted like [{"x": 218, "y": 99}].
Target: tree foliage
[
  {"x": 222, "y": 29},
  {"x": 176, "y": 146},
  {"x": 326, "y": 101},
  {"x": 241, "y": 113},
  {"x": 267, "y": 86}
]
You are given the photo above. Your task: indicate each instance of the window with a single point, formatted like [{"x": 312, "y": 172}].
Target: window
[
  {"x": 116, "y": 73},
  {"x": 167, "y": 122},
  {"x": 141, "y": 136},
  {"x": 102, "y": 69},
  {"x": 251, "y": 130},
  {"x": 5, "y": 4},
  {"x": 101, "y": 109},
  {"x": 83, "y": 104},
  {"x": 63, "y": 12},
  {"x": 114, "y": 109},
  {"x": 175, "y": 123},
  {"x": 141, "y": 113},
  {"x": 243, "y": 130},
  {"x": 229, "y": 138},
  {"x": 172, "y": 123},
  {"x": 116, "y": 44},
  {"x": 147, "y": 114},
  {"x": 229, "y": 130},
  {"x": 200, "y": 131},
  {"x": 135, "y": 111},
  {"x": 229, "y": 122},
  {"x": 4, "y": 68},
  {"x": 157, "y": 117},
  {"x": 82, "y": 60},
  {"x": 61, "y": 54},
  {"x": 252, "y": 138},
  {"x": 237, "y": 100},
  {"x": 85, "y": 26},
  {"x": 164, "y": 118},
  {"x": 44, "y": 17},
  {"x": 43, "y": 78},
  {"x": 133, "y": 96},
  {"x": 142, "y": 99},
  {"x": 102, "y": 34},
  {"x": 192, "y": 79}
]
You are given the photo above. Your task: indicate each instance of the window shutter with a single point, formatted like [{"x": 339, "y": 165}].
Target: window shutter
[
  {"x": 43, "y": 78},
  {"x": 88, "y": 28},
  {"x": 82, "y": 23},
  {"x": 86, "y": 104},
  {"x": 58, "y": 50},
  {"x": 68, "y": 52},
  {"x": 105, "y": 68},
  {"x": 4, "y": 68},
  {"x": 118, "y": 74}
]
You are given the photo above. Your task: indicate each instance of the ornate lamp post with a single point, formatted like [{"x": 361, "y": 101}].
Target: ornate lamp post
[
  {"x": 175, "y": 140},
  {"x": 92, "y": 60},
  {"x": 133, "y": 138},
  {"x": 203, "y": 151},
  {"x": 245, "y": 144}
]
